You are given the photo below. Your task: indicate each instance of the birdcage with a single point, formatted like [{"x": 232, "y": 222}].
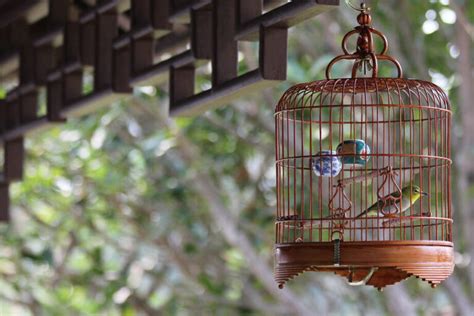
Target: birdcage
[{"x": 363, "y": 173}]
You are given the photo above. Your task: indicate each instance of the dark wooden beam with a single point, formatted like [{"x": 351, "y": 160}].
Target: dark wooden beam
[
  {"x": 249, "y": 10},
  {"x": 224, "y": 55},
  {"x": 273, "y": 52},
  {"x": 287, "y": 15},
  {"x": 160, "y": 14},
  {"x": 202, "y": 36},
  {"x": 4, "y": 202},
  {"x": 14, "y": 157},
  {"x": 106, "y": 30},
  {"x": 14, "y": 10},
  {"x": 55, "y": 100},
  {"x": 181, "y": 83},
  {"x": 159, "y": 40}
]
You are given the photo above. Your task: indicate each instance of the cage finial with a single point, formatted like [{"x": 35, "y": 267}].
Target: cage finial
[
  {"x": 363, "y": 6},
  {"x": 365, "y": 56}
]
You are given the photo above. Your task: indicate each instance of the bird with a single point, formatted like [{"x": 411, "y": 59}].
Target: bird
[{"x": 389, "y": 205}]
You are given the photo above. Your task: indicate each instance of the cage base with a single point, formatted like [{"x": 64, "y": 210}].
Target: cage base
[{"x": 376, "y": 263}]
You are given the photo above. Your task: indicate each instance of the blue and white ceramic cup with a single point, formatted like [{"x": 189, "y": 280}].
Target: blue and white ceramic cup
[
  {"x": 354, "y": 152},
  {"x": 326, "y": 164}
]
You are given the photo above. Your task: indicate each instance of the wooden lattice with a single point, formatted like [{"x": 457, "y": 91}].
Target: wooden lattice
[{"x": 51, "y": 44}]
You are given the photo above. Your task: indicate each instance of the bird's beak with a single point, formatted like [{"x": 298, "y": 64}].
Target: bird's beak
[{"x": 424, "y": 194}]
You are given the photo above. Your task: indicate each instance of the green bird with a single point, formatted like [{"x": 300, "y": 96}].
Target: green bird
[{"x": 391, "y": 204}]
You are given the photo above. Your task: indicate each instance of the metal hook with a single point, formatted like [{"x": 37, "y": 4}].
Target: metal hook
[
  {"x": 363, "y": 6},
  {"x": 363, "y": 281}
]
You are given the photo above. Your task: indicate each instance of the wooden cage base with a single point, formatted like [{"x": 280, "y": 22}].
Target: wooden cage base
[{"x": 376, "y": 263}]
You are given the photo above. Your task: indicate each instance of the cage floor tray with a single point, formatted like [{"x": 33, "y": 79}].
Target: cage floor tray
[{"x": 376, "y": 263}]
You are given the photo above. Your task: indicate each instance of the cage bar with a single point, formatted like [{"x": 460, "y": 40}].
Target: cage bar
[{"x": 363, "y": 174}]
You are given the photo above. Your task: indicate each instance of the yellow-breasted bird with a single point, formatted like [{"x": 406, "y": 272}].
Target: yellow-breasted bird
[{"x": 410, "y": 194}]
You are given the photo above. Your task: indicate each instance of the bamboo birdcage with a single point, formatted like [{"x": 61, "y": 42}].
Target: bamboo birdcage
[{"x": 344, "y": 145}]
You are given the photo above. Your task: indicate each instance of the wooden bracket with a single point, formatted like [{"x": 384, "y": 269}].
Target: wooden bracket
[{"x": 120, "y": 44}]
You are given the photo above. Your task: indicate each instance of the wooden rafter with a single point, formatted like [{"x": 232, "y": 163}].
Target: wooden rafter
[{"x": 52, "y": 44}]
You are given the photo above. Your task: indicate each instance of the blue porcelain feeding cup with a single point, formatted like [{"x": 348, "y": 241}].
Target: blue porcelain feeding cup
[
  {"x": 354, "y": 152},
  {"x": 326, "y": 164}
]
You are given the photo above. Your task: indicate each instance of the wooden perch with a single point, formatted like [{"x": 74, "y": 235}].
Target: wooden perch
[
  {"x": 404, "y": 220},
  {"x": 362, "y": 177}
]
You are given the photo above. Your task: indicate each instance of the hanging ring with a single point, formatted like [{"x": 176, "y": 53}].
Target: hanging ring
[
  {"x": 365, "y": 53},
  {"x": 363, "y": 7}
]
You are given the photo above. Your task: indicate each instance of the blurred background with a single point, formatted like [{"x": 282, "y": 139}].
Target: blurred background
[{"x": 128, "y": 212}]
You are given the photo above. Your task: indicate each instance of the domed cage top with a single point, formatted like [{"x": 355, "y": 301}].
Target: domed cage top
[{"x": 363, "y": 175}]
